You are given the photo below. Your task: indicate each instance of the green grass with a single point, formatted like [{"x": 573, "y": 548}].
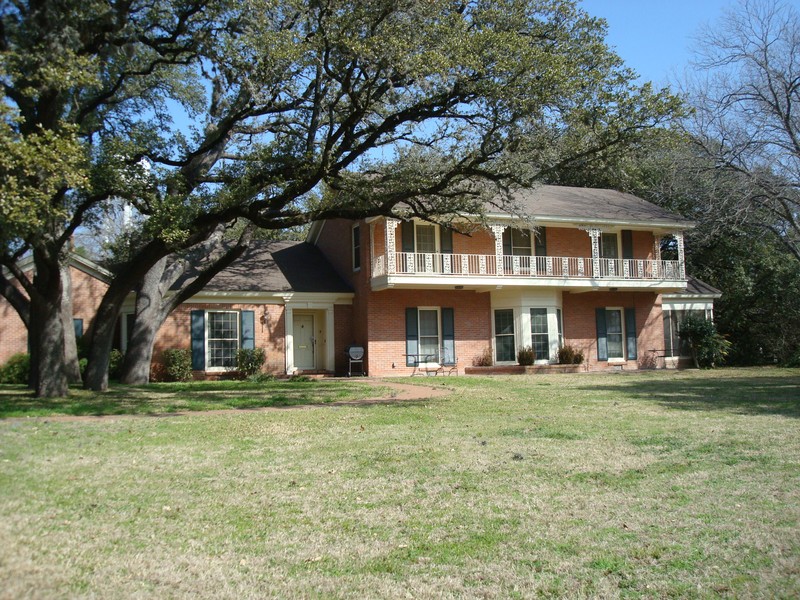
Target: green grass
[
  {"x": 163, "y": 398},
  {"x": 655, "y": 484}
]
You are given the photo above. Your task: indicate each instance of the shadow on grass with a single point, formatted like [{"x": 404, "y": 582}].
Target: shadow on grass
[
  {"x": 761, "y": 395},
  {"x": 163, "y": 399}
]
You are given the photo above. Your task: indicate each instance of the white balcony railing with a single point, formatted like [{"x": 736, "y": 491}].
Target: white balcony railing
[{"x": 562, "y": 267}]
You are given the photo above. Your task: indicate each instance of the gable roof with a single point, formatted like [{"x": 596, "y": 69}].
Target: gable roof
[
  {"x": 74, "y": 260},
  {"x": 278, "y": 266},
  {"x": 592, "y": 205}
]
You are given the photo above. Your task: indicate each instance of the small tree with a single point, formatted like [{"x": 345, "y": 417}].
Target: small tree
[{"x": 708, "y": 348}]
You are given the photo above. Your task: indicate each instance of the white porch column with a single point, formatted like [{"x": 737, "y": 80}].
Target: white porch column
[
  {"x": 391, "y": 245},
  {"x": 681, "y": 264},
  {"x": 330, "y": 350},
  {"x": 497, "y": 232},
  {"x": 657, "y": 256},
  {"x": 289, "y": 321},
  {"x": 594, "y": 234}
]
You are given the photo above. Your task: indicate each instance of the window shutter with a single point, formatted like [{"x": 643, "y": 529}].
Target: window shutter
[
  {"x": 78, "y": 325},
  {"x": 630, "y": 332},
  {"x": 540, "y": 241},
  {"x": 408, "y": 236},
  {"x": 446, "y": 240},
  {"x": 198, "y": 340},
  {"x": 448, "y": 337},
  {"x": 412, "y": 336},
  {"x": 507, "y": 241},
  {"x": 602, "y": 341},
  {"x": 627, "y": 243},
  {"x": 667, "y": 333},
  {"x": 248, "y": 329}
]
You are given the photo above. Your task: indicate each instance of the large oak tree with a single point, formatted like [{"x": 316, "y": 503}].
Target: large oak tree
[{"x": 279, "y": 112}]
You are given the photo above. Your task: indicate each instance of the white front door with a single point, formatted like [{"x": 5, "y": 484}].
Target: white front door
[{"x": 304, "y": 342}]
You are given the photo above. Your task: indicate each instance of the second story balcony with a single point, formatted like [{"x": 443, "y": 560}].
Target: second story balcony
[{"x": 410, "y": 267}]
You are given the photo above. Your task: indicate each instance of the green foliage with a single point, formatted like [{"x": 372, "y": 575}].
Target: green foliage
[
  {"x": 567, "y": 355},
  {"x": 17, "y": 369},
  {"x": 526, "y": 356},
  {"x": 261, "y": 378},
  {"x": 178, "y": 362},
  {"x": 250, "y": 360},
  {"x": 708, "y": 347},
  {"x": 115, "y": 361}
]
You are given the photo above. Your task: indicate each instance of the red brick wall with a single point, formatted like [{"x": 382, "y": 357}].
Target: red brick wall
[
  {"x": 562, "y": 241},
  {"x": 176, "y": 331},
  {"x": 87, "y": 292},
  {"x": 342, "y": 335},
  {"x": 387, "y": 326},
  {"x": 580, "y": 327}
]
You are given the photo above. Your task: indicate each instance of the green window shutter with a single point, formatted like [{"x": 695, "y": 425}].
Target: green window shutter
[
  {"x": 78, "y": 325},
  {"x": 198, "y": 340},
  {"x": 248, "y": 329},
  {"x": 602, "y": 340},
  {"x": 448, "y": 337},
  {"x": 412, "y": 336},
  {"x": 627, "y": 243},
  {"x": 446, "y": 240},
  {"x": 507, "y": 241},
  {"x": 408, "y": 236},
  {"x": 540, "y": 241},
  {"x": 630, "y": 332}
]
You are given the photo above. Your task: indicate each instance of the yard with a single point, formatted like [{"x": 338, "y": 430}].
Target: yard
[{"x": 656, "y": 484}]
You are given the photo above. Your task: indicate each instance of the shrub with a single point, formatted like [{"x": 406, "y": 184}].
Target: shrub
[
  {"x": 178, "y": 362},
  {"x": 484, "y": 359},
  {"x": 261, "y": 378},
  {"x": 115, "y": 364},
  {"x": 251, "y": 360},
  {"x": 569, "y": 356},
  {"x": 526, "y": 356},
  {"x": 17, "y": 369},
  {"x": 708, "y": 348}
]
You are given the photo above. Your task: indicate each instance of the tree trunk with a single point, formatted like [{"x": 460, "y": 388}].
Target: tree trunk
[
  {"x": 71, "y": 364},
  {"x": 46, "y": 333},
  {"x": 148, "y": 319}
]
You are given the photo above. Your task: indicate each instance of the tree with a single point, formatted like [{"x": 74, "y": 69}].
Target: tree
[
  {"x": 746, "y": 119},
  {"x": 293, "y": 111}
]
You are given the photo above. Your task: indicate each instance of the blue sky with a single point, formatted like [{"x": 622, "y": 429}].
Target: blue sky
[{"x": 654, "y": 36}]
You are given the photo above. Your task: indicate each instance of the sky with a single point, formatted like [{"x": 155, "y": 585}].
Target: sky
[{"x": 654, "y": 36}]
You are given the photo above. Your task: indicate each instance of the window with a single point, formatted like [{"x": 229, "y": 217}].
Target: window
[
  {"x": 516, "y": 242},
  {"x": 425, "y": 238},
  {"x": 77, "y": 325},
  {"x": 218, "y": 335},
  {"x": 608, "y": 246},
  {"x": 505, "y": 347},
  {"x": 674, "y": 347},
  {"x": 430, "y": 333},
  {"x": 540, "y": 339},
  {"x": 614, "y": 333},
  {"x": 223, "y": 339},
  {"x": 356, "y": 247}
]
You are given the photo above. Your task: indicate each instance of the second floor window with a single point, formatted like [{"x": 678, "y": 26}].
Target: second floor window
[
  {"x": 516, "y": 242},
  {"x": 356, "y": 247}
]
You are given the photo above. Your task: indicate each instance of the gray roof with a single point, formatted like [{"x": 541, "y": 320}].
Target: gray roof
[
  {"x": 592, "y": 205},
  {"x": 268, "y": 266},
  {"x": 696, "y": 287}
]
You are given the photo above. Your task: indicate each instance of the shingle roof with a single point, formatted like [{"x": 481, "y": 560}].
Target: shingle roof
[
  {"x": 268, "y": 266},
  {"x": 700, "y": 288},
  {"x": 592, "y": 204}
]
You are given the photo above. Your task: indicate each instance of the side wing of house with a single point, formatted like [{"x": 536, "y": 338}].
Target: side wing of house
[{"x": 89, "y": 284}]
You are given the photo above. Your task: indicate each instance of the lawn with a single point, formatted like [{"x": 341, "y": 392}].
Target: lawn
[{"x": 656, "y": 484}]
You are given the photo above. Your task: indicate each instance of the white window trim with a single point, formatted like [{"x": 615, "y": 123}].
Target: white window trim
[
  {"x": 353, "y": 247},
  {"x": 624, "y": 357},
  {"x": 209, "y": 368}
]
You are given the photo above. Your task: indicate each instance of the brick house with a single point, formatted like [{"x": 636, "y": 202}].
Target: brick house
[{"x": 586, "y": 270}]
